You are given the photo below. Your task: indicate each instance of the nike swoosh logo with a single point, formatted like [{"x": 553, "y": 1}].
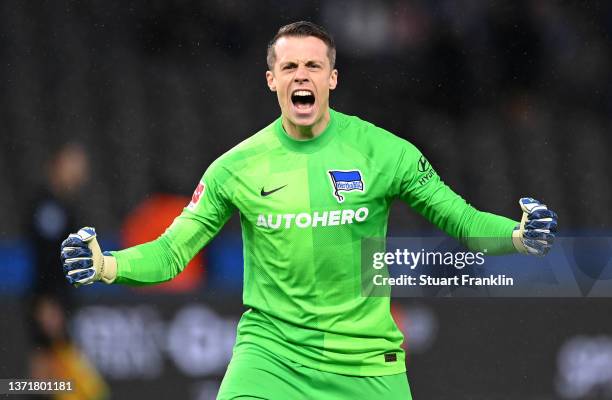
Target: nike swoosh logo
[{"x": 263, "y": 193}]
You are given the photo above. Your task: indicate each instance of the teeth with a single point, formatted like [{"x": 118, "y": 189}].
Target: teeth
[{"x": 303, "y": 93}]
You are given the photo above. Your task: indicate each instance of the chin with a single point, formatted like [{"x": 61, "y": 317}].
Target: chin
[{"x": 304, "y": 121}]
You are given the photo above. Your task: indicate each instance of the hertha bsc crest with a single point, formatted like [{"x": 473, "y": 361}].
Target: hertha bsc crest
[{"x": 346, "y": 181}]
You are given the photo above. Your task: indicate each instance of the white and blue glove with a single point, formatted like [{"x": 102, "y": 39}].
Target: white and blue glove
[
  {"x": 536, "y": 232},
  {"x": 83, "y": 261}
]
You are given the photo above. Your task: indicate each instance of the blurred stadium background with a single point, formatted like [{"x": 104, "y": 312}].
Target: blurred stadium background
[{"x": 506, "y": 99}]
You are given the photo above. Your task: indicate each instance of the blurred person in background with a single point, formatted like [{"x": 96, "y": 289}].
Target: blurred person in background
[
  {"x": 146, "y": 222},
  {"x": 54, "y": 355}
]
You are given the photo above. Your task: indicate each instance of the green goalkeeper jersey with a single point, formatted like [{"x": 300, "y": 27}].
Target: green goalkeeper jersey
[{"x": 304, "y": 208}]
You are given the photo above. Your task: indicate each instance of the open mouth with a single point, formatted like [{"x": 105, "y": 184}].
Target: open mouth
[{"x": 303, "y": 99}]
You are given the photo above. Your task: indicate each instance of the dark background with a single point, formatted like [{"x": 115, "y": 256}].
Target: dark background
[{"x": 506, "y": 99}]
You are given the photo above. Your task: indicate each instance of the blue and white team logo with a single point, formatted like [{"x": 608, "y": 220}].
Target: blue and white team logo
[{"x": 346, "y": 181}]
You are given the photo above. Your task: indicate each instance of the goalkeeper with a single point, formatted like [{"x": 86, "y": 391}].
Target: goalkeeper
[{"x": 309, "y": 187}]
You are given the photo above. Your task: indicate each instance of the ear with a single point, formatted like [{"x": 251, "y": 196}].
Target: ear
[
  {"x": 271, "y": 81},
  {"x": 333, "y": 79}
]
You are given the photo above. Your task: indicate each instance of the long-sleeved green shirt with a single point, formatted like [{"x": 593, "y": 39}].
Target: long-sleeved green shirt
[{"x": 304, "y": 208}]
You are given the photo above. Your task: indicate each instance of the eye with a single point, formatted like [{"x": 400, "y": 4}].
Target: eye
[{"x": 288, "y": 66}]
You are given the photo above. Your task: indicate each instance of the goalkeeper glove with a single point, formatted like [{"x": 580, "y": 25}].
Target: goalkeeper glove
[
  {"x": 536, "y": 232},
  {"x": 83, "y": 261}
]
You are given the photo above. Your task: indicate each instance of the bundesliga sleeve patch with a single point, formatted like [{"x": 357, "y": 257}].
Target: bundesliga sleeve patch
[{"x": 197, "y": 194}]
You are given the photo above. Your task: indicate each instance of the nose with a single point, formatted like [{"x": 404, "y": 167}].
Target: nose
[{"x": 301, "y": 74}]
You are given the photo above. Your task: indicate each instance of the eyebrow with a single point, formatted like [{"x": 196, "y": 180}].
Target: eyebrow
[{"x": 309, "y": 62}]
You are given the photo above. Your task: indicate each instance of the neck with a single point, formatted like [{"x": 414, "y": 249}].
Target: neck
[{"x": 306, "y": 132}]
